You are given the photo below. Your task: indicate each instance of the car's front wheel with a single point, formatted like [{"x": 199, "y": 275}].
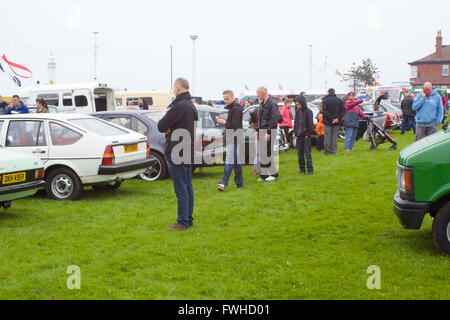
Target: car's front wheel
[
  {"x": 157, "y": 169},
  {"x": 63, "y": 184},
  {"x": 441, "y": 229}
]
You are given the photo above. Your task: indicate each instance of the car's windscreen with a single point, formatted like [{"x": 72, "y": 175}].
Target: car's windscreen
[
  {"x": 155, "y": 116},
  {"x": 98, "y": 127},
  {"x": 366, "y": 107}
]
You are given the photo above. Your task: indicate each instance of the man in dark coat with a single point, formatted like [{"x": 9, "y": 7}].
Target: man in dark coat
[
  {"x": 333, "y": 113},
  {"x": 233, "y": 125},
  {"x": 269, "y": 114},
  {"x": 409, "y": 115},
  {"x": 180, "y": 121},
  {"x": 303, "y": 129}
]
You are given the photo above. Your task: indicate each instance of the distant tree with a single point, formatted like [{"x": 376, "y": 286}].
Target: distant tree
[
  {"x": 353, "y": 77},
  {"x": 368, "y": 70},
  {"x": 361, "y": 76}
]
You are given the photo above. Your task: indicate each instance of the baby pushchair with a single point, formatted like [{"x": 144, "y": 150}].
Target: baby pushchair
[{"x": 377, "y": 135}]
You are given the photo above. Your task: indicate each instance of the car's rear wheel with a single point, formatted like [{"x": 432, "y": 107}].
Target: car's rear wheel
[
  {"x": 441, "y": 229},
  {"x": 157, "y": 170},
  {"x": 110, "y": 186},
  {"x": 63, "y": 184}
]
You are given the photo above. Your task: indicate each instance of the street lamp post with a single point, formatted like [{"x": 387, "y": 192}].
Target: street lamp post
[
  {"x": 193, "y": 38},
  {"x": 310, "y": 66},
  {"x": 95, "y": 55}
]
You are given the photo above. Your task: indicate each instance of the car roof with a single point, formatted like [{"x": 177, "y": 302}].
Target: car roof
[{"x": 52, "y": 116}]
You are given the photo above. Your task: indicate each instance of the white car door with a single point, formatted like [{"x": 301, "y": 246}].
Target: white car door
[{"x": 27, "y": 136}]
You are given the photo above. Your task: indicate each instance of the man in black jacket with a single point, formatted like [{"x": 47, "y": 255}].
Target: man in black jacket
[
  {"x": 234, "y": 138},
  {"x": 267, "y": 125},
  {"x": 303, "y": 129},
  {"x": 409, "y": 115},
  {"x": 333, "y": 113},
  {"x": 179, "y": 125}
]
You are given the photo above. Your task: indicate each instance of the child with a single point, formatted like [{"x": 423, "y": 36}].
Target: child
[{"x": 320, "y": 129}]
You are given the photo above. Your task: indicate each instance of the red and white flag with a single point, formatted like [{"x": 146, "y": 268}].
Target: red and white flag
[
  {"x": 280, "y": 86},
  {"x": 14, "y": 71}
]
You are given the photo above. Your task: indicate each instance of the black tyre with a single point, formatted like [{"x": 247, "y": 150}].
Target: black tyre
[
  {"x": 157, "y": 170},
  {"x": 441, "y": 229},
  {"x": 63, "y": 184},
  {"x": 110, "y": 186}
]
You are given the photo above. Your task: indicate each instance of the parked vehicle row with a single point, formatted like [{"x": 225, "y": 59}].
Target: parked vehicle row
[{"x": 76, "y": 150}]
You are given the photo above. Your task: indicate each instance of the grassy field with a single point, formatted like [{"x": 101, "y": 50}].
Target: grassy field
[{"x": 302, "y": 237}]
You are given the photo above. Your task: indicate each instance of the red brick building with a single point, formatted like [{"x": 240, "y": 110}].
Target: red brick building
[{"x": 433, "y": 68}]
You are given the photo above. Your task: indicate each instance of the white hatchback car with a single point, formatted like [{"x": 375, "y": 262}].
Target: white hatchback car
[{"x": 77, "y": 150}]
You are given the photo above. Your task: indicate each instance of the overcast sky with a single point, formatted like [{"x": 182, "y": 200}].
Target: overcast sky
[{"x": 241, "y": 42}]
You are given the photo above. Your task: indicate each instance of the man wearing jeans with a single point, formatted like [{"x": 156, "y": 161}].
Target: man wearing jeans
[
  {"x": 333, "y": 112},
  {"x": 409, "y": 115},
  {"x": 179, "y": 126},
  {"x": 233, "y": 125},
  {"x": 429, "y": 111},
  {"x": 303, "y": 129}
]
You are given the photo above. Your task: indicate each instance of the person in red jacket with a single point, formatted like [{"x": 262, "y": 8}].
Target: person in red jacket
[{"x": 286, "y": 125}]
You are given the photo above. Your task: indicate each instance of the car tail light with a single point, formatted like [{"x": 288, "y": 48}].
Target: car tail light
[
  {"x": 39, "y": 174},
  {"x": 148, "y": 150},
  {"x": 108, "y": 156}
]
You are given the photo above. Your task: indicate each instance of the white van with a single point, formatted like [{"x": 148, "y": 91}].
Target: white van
[
  {"x": 81, "y": 98},
  {"x": 156, "y": 99}
]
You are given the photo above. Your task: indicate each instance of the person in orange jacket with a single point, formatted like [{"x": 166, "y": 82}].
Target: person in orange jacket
[{"x": 320, "y": 130}]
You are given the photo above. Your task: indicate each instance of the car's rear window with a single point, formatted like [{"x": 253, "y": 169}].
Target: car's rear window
[
  {"x": 155, "y": 116},
  {"x": 99, "y": 127}
]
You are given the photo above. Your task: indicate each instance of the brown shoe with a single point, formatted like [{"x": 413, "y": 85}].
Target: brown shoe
[{"x": 177, "y": 227}]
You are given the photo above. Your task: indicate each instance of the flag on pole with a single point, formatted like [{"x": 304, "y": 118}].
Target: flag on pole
[
  {"x": 15, "y": 71},
  {"x": 280, "y": 86},
  {"x": 246, "y": 88}
]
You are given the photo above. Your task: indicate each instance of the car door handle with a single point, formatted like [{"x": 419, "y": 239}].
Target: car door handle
[{"x": 39, "y": 151}]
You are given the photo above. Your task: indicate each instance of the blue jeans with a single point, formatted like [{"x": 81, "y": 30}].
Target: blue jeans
[
  {"x": 182, "y": 182},
  {"x": 408, "y": 123},
  {"x": 350, "y": 138},
  {"x": 304, "y": 149},
  {"x": 233, "y": 162}
]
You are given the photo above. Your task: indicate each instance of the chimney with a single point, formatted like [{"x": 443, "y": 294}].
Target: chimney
[{"x": 439, "y": 45}]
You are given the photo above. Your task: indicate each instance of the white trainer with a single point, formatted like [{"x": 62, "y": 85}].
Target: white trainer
[
  {"x": 271, "y": 178},
  {"x": 221, "y": 187}
]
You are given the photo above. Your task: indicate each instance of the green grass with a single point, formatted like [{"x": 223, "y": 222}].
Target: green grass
[{"x": 302, "y": 237}]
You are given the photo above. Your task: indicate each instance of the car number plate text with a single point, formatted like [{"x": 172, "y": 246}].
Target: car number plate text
[
  {"x": 131, "y": 148},
  {"x": 14, "y": 177}
]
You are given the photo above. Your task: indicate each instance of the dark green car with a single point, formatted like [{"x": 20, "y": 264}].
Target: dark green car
[{"x": 423, "y": 175}]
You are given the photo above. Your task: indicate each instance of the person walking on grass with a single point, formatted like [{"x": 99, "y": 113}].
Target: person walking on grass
[
  {"x": 409, "y": 115},
  {"x": 429, "y": 111},
  {"x": 269, "y": 116},
  {"x": 286, "y": 125},
  {"x": 233, "y": 125},
  {"x": 320, "y": 129},
  {"x": 180, "y": 118},
  {"x": 303, "y": 129},
  {"x": 351, "y": 120},
  {"x": 254, "y": 119},
  {"x": 333, "y": 112}
]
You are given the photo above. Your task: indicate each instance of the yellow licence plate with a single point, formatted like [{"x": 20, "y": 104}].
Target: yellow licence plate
[
  {"x": 14, "y": 177},
  {"x": 131, "y": 148}
]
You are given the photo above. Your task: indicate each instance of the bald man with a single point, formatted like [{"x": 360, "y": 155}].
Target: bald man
[
  {"x": 269, "y": 116},
  {"x": 180, "y": 121},
  {"x": 429, "y": 111}
]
